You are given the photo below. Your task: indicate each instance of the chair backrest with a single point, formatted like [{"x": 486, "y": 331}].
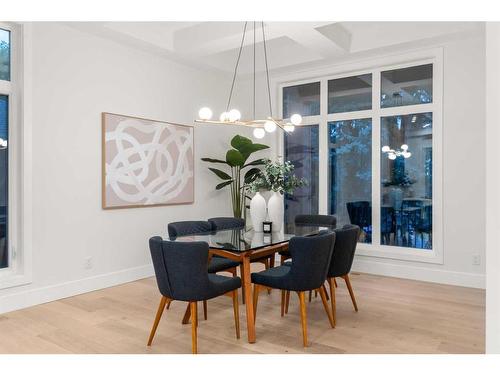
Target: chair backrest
[
  {"x": 181, "y": 268},
  {"x": 326, "y": 220},
  {"x": 221, "y": 223},
  {"x": 185, "y": 228},
  {"x": 311, "y": 258},
  {"x": 346, "y": 241}
]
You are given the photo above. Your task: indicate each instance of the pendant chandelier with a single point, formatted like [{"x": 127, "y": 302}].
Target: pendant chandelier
[
  {"x": 393, "y": 154},
  {"x": 232, "y": 116}
]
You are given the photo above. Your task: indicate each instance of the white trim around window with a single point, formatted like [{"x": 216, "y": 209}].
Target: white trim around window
[
  {"x": 19, "y": 271},
  {"x": 375, "y": 66}
]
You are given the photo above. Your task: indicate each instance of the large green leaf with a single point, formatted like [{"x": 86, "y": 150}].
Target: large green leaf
[
  {"x": 239, "y": 141},
  {"x": 234, "y": 158},
  {"x": 221, "y": 174},
  {"x": 249, "y": 149},
  {"x": 222, "y": 184},
  {"x": 251, "y": 175},
  {"x": 255, "y": 162},
  {"x": 210, "y": 160}
]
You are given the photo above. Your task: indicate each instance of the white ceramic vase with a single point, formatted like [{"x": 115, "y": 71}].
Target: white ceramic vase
[
  {"x": 276, "y": 211},
  {"x": 258, "y": 211}
]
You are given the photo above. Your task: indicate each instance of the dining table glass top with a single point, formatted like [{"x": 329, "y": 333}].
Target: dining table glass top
[{"x": 241, "y": 240}]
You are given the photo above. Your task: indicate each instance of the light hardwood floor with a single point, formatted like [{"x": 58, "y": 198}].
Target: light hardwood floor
[{"x": 395, "y": 316}]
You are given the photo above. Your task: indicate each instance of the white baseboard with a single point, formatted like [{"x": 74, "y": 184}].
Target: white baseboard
[
  {"x": 472, "y": 280},
  {"x": 21, "y": 300}
]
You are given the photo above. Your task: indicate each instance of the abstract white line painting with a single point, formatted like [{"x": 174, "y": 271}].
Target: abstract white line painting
[{"x": 146, "y": 162}]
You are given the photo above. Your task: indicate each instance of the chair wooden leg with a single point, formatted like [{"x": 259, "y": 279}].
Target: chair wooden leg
[
  {"x": 310, "y": 295},
  {"x": 194, "y": 326},
  {"x": 282, "y": 259},
  {"x": 283, "y": 294},
  {"x": 205, "y": 313},
  {"x": 331, "y": 282},
  {"x": 242, "y": 285},
  {"x": 267, "y": 263},
  {"x": 351, "y": 293},
  {"x": 315, "y": 294},
  {"x": 287, "y": 302},
  {"x": 255, "y": 300},
  {"x": 159, "y": 313},
  {"x": 303, "y": 316},
  {"x": 325, "y": 305},
  {"x": 236, "y": 313},
  {"x": 335, "y": 282},
  {"x": 168, "y": 304},
  {"x": 187, "y": 314}
]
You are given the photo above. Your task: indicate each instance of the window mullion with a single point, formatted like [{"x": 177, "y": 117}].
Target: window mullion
[
  {"x": 323, "y": 150},
  {"x": 376, "y": 158}
]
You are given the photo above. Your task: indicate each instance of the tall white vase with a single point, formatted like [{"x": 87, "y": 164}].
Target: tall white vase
[
  {"x": 258, "y": 211},
  {"x": 276, "y": 211}
]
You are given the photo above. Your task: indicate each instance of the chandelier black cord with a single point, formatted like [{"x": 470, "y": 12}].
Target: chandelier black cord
[
  {"x": 236, "y": 67},
  {"x": 267, "y": 70}
]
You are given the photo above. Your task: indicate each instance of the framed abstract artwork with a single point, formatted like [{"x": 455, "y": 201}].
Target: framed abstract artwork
[{"x": 146, "y": 162}]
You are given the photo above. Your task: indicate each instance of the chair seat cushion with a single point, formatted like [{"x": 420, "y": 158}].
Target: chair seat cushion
[
  {"x": 273, "y": 277},
  {"x": 218, "y": 264},
  {"x": 222, "y": 284}
]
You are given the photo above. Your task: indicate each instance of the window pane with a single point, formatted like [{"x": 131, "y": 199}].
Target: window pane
[
  {"x": 350, "y": 94},
  {"x": 350, "y": 190},
  {"x": 4, "y": 132},
  {"x": 301, "y": 99},
  {"x": 302, "y": 149},
  {"x": 406, "y": 86},
  {"x": 406, "y": 201},
  {"x": 4, "y": 55}
]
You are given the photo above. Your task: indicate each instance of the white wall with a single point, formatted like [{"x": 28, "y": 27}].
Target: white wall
[
  {"x": 492, "y": 188},
  {"x": 464, "y": 171},
  {"x": 75, "y": 77}
]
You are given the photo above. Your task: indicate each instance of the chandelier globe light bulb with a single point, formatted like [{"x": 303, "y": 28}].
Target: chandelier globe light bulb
[
  {"x": 269, "y": 126},
  {"x": 296, "y": 119},
  {"x": 234, "y": 115},
  {"x": 259, "y": 133},
  {"x": 205, "y": 113}
]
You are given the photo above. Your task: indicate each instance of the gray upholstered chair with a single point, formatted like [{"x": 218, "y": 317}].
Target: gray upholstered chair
[
  {"x": 226, "y": 223},
  {"x": 181, "y": 274},
  {"x": 215, "y": 264},
  {"x": 308, "y": 271},
  {"x": 341, "y": 263},
  {"x": 310, "y": 220}
]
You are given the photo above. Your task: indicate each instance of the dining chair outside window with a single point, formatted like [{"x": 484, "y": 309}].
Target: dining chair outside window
[
  {"x": 346, "y": 241},
  {"x": 215, "y": 264},
  {"x": 181, "y": 274},
  {"x": 360, "y": 214},
  {"x": 311, "y": 259}
]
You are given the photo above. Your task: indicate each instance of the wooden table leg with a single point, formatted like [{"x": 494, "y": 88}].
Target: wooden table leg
[{"x": 247, "y": 282}]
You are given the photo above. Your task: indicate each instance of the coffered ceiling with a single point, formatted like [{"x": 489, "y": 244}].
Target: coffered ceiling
[{"x": 214, "y": 45}]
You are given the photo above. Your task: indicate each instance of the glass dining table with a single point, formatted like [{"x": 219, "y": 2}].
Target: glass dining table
[{"x": 244, "y": 246}]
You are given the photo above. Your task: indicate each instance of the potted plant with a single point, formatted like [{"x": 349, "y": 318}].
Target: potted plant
[
  {"x": 279, "y": 178},
  {"x": 237, "y": 160}
]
